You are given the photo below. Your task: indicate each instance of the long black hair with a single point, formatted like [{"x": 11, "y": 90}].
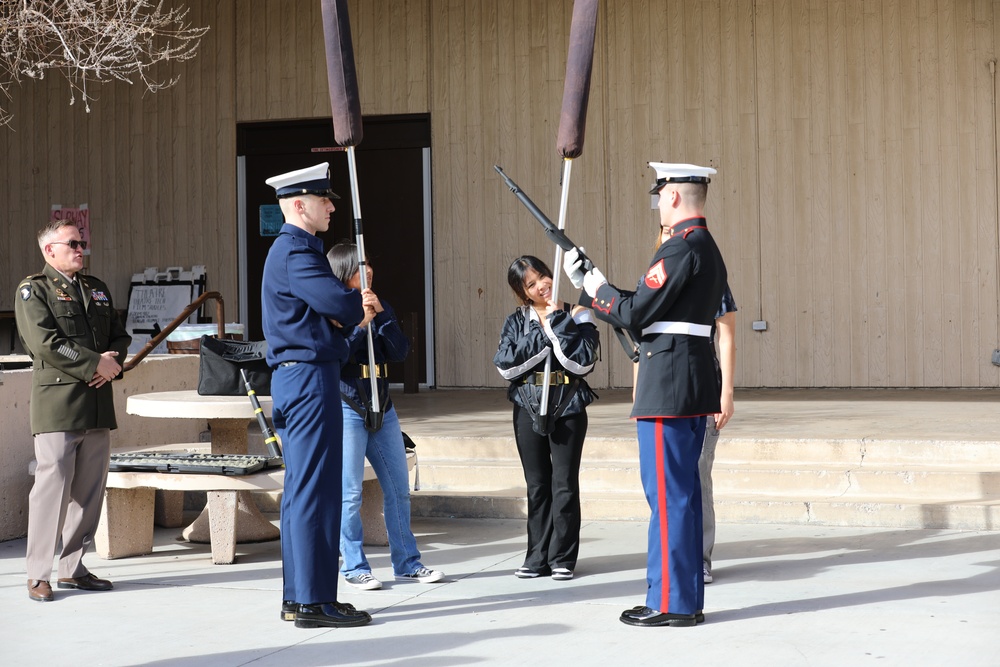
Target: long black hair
[
  {"x": 518, "y": 268},
  {"x": 343, "y": 259}
]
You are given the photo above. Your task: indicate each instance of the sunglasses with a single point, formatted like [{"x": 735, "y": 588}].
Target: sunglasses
[{"x": 74, "y": 244}]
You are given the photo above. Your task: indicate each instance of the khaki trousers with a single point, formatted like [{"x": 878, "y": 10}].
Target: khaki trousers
[{"x": 65, "y": 502}]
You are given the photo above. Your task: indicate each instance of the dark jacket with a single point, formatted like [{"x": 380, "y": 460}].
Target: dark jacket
[
  {"x": 684, "y": 283},
  {"x": 389, "y": 343},
  {"x": 65, "y": 338},
  {"x": 299, "y": 297},
  {"x": 574, "y": 344}
]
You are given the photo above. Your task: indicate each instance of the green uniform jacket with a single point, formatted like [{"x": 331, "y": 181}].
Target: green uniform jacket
[{"x": 65, "y": 339}]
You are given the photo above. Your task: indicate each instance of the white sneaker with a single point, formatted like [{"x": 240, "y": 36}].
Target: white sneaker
[
  {"x": 364, "y": 581},
  {"x": 423, "y": 575},
  {"x": 562, "y": 573},
  {"x": 706, "y": 573}
]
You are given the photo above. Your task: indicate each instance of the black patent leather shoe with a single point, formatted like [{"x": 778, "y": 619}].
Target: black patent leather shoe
[
  {"x": 288, "y": 610},
  {"x": 646, "y": 617},
  {"x": 330, "y": 615}
]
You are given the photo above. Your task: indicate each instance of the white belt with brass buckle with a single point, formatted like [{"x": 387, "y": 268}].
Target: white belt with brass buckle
[{"x": 689, "y": 328}]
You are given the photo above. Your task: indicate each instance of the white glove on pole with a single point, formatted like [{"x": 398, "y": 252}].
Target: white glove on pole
[
  {"x": 573, "y": 267},
  {"x": 592, "y": 281}
]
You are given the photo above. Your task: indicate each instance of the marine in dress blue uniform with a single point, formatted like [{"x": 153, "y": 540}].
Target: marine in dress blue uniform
[
  {"x": 306, "y": 315},
  {"x": 670, "y": 312}
]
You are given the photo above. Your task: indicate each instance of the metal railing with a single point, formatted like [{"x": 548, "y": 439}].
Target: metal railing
[{"x": 220, "y": 317}]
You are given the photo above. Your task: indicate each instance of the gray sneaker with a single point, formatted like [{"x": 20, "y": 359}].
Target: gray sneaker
[
  {"x": 364, "y": 581},
  {"x": 706, "y": 573},
  {"x": 423, "y": 575}
]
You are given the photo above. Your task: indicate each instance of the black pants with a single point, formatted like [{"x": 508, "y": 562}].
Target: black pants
[{"x": 552, "y": 472}]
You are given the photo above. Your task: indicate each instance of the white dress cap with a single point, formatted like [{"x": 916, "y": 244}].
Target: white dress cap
[
  {"x": 668, "y": 172},
  {"x": 309, "y": 181}
]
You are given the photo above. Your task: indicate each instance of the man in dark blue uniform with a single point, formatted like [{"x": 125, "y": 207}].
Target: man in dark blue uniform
[
  {"x": 671, "y": 313},
  {"x": 306, "y": 312}
]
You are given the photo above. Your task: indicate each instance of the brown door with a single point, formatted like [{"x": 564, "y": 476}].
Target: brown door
[{"x": 391, "y": 187}]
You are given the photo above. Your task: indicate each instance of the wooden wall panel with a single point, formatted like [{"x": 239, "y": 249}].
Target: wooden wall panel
[
  {"x": 146, "y": 164},
  {"x": 496, "y": 88},
  {"x": 887, "y": 103},
  {"x": 856, "y": 200},
  {"x": 282, "y": 60}
]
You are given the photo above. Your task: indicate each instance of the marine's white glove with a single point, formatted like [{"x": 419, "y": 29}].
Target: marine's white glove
[
  {"x": 593, "y": 280},
  {"x": 573, "y": 267}
]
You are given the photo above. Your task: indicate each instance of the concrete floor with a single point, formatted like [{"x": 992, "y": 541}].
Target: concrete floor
[{"x": 783, "y": 595}]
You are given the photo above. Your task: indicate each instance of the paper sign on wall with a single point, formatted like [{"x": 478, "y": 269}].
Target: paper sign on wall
[
  {"x": 80, "y": 215},
  {"x": 151, "y": 308}
]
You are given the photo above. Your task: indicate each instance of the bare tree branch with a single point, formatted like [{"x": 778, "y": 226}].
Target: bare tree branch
[{"x": 91, "y": 41}]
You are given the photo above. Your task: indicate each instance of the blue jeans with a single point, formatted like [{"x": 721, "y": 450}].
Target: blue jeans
[{"x": 385, "y": 450}]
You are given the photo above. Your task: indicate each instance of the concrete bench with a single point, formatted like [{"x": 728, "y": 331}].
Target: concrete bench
[
  {"x": 134, "y": 501},
  {"x": 126, "y": 527}
]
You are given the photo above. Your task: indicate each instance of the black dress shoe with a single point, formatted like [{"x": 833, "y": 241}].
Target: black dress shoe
[
  {"x": 87, "y": 582},
  {"x": 288, "y": 610},
  {"x": 646, "y": 617},
  {"x": 330, "y": 615},
  {"x": 640, "y": 610}
]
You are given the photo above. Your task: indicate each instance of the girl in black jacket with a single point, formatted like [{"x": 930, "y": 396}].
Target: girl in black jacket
[{"x": 550, "y": 446}]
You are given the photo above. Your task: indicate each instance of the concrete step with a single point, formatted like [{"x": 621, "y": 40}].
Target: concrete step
[
  {"x": 818, "y": 450},
  {"x": 891, "y": 483},
  {"x": 940, "y": 513},
  {"x": 809, "y": 480},
  {"x": 792, "y": 479}
]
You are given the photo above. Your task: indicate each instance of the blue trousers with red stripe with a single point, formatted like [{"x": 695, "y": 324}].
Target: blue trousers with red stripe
[{"x": 668, "y": 465}]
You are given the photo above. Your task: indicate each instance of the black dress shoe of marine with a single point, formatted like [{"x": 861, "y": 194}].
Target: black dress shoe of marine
[
  {"x": 288, "y": 610},
  {"x": 640, "y": 610},
  {"x": 646, "y": 617},
  {"x": 87, "y": 582},
  {"x": 330, "y": 615}
]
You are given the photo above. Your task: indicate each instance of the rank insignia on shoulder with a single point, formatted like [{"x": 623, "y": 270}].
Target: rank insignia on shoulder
[
  {"x": 25, "y": 292},
  {"x": 656, "y": 276}
]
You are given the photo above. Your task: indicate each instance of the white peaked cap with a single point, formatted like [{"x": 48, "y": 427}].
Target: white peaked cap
[
  {"x": 668, "y": 172},
  {"x": 309, "y": 181}
]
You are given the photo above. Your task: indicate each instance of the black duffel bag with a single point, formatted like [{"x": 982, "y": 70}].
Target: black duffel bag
[{"x": 220, "y": 362}]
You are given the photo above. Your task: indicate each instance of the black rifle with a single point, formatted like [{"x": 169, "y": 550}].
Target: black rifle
[{"x": 559, "y": 237}]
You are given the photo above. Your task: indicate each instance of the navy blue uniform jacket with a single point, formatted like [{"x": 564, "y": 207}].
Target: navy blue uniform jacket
[
  {"x": 299, "y": 296},
  {"x": 390, "y": 344}
]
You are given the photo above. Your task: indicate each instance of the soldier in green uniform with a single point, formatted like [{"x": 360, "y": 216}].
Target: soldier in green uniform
[{"x": 77, "y": 343}]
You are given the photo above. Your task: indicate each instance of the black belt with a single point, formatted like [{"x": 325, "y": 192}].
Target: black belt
[{"x": 555, "y": 377}]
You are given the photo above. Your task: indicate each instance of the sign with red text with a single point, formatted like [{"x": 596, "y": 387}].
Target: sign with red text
[{"x": 79, "y": 215}]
